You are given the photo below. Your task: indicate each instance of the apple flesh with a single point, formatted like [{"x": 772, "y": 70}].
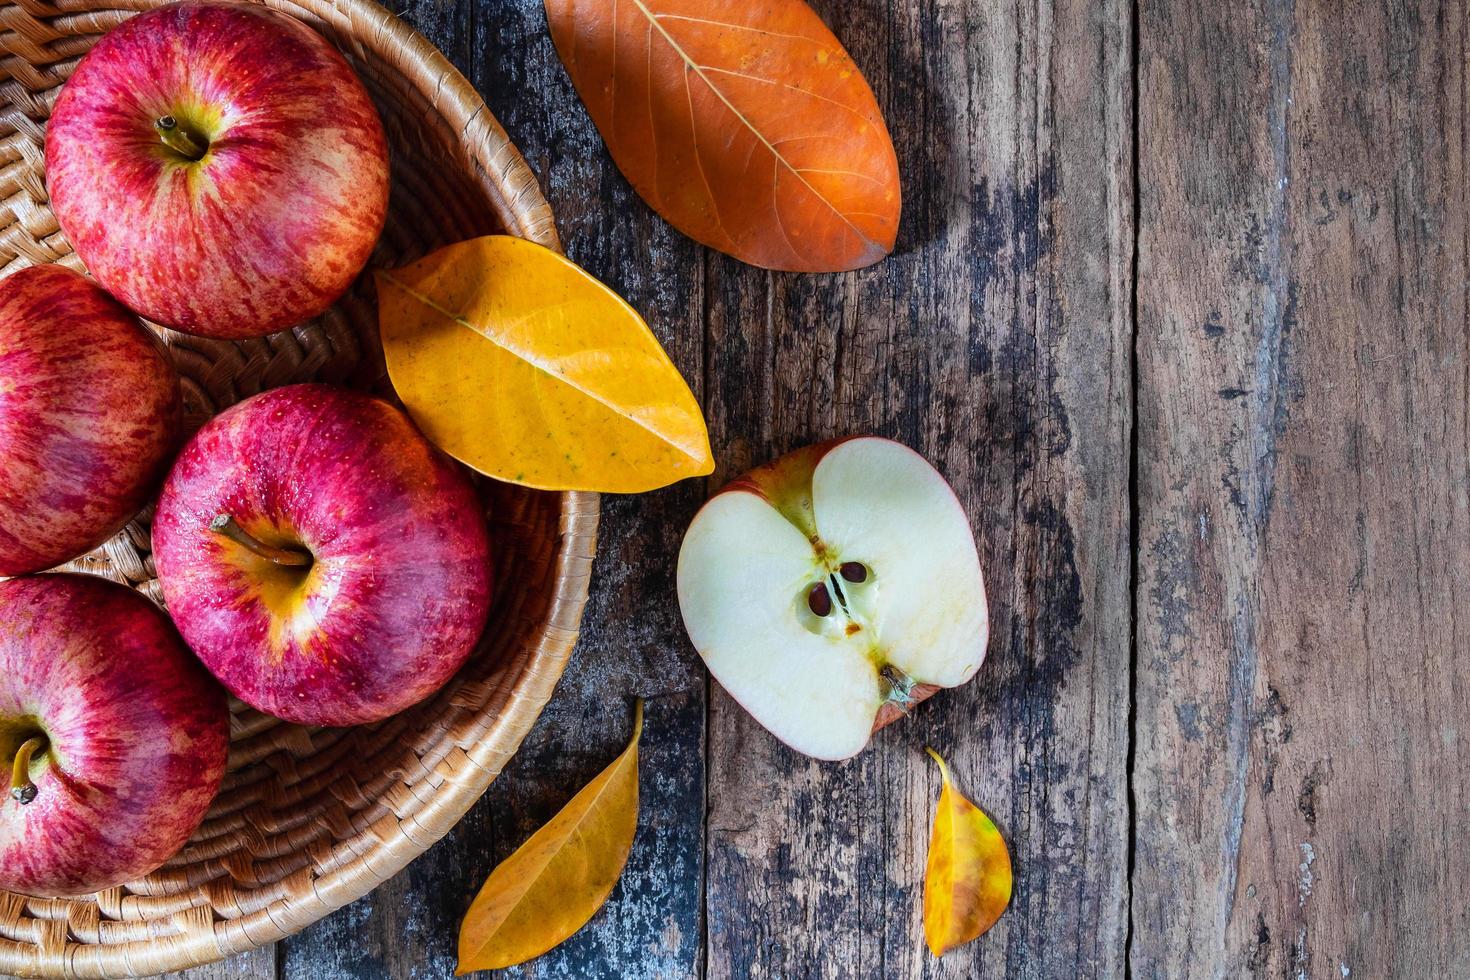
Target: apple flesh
[
  {"x": 89, "y": 416},
  {"x": 321, "y": 558},
  {"x": 831, "y": 590},
  {"x": 219, "y": 168},
  {"x": 112, "y": 737}
]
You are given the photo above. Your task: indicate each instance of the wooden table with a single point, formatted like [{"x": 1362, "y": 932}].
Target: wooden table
[{"x": 1179, "y": 305}]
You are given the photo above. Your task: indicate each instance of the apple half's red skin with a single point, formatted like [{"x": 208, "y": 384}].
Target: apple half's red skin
[
  {"x": 90, "y": 414},
  {"x": 273, "y": 223},
  {"x": 138, "y": 735},
  {"x": 771, "y": 481},
  {"x": 399, "y": 588}
]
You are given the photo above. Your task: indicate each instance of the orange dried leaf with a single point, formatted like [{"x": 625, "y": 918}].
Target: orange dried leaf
[
  {"x": 516, "y": 362},
  {"x": 543, "y": 893},
  {"x": 746, "y": 125},
  {"x": 968, "y": 882}
]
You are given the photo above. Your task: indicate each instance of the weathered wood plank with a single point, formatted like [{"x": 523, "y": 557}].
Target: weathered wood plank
[
  {"x": 258, "y": 964},
  {"x": 633, "y": 643},
  {"x": 997, "y": 342},
  {"x": 1303, "y": 678}
]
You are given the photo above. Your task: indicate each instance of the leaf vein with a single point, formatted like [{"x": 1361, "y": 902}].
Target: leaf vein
[
  {"x": 530, "y": 359},
  {"x": 786, "y": 85},
  {"x": 842, "y": 173},
  {"x": 699, "y": 164},
  {"x": 747, "y": 123},
  {"x": 735, "y": 27},
  {"x": 776, "y": 209}
]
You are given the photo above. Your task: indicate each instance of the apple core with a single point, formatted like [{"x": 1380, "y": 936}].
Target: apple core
[{"x": 827, "y": 598}]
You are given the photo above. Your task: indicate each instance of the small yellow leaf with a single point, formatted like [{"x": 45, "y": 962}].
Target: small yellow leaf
[
  {"x": 519, "y": 364},
  {"x": 968, "y": 883},
  {"x": 539, "y": 896}
]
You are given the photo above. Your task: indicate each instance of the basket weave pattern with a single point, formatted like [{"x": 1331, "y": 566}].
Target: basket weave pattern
[{"x": 310, "y": 819}]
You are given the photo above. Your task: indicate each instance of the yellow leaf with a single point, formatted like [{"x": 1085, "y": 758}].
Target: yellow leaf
[
  {"x": 548, "y": 889},
  {"x": 519, "y": 364},
  {"x": 968, "y": 883}
]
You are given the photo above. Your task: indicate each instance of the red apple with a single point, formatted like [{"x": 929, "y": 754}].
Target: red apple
[
  {"x": 89, "y": 415},
  {"x": 112, "y": 737},
  {"x": 219, "y": 168},
  {"x": 327, "y": 563},
  {"x": 832, "y": 589}
]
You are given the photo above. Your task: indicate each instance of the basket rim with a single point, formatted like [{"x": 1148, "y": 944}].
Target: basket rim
[{"x": 370, "y": 858}]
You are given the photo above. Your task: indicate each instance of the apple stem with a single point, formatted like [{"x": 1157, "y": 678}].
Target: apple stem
[
  {"x": 180, "y": 139},
  {"x": 22, "y": 790},
  {"x": 225, "y": 526}
]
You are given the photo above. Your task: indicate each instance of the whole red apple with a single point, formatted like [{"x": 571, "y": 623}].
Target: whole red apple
[
  {"x": 219, "y": 168},
  {"x": 327, "y": 563},
  {"x": 89, "y": 415},
  {"x": 832, "y": 589},
  {"x": 112, "y": 737}
]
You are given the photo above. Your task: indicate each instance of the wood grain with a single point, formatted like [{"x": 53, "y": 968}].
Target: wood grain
[
  {"x": 1302, "y": 678},
  {"x": 997, "y": 342},
  {"x": 258, "y": 964}
]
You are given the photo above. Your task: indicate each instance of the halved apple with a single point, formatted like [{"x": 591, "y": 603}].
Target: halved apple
[{"x": 831, "y": 590}]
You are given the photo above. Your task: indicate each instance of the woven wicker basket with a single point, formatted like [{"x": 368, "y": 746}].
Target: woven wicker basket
[{"x": 310, "y": 819}]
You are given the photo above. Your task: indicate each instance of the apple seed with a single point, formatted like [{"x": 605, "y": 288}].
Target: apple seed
[
  {"x": 854, "y": 571},
  {"x": 820, "y": 600}
]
